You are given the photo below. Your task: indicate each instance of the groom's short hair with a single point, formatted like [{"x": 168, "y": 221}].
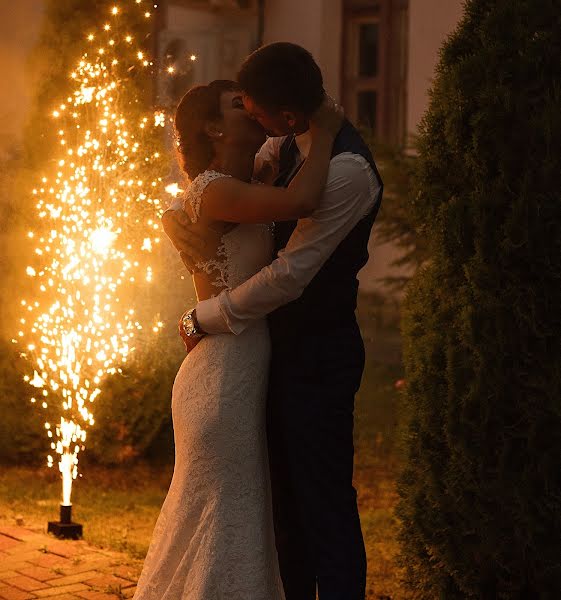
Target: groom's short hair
[{"x": 282, "y": 76}]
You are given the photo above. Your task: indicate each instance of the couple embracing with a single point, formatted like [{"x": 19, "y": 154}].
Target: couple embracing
[{"x": 261, "y": 505}]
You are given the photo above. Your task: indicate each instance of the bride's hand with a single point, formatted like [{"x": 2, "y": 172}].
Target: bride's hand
[
  {"x": 188, "y": 341},
  {"x": 328, "y": 118}
]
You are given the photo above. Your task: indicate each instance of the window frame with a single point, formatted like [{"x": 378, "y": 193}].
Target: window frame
[
  {"x": 390, "y": 85},
  {"x": 352, "y": 82}
]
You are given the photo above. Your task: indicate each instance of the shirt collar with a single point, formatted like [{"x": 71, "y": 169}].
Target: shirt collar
[{"x": 304, "y": 143}]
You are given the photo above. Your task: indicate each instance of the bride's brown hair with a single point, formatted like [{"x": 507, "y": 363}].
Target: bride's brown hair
[{"x": 199, "y": 106}]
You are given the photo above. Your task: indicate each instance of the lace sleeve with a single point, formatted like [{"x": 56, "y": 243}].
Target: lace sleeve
[{"x": 195, "y": 191}]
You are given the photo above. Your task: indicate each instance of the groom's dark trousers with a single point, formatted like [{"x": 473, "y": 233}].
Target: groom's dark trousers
[{"x": 316, "y": 369}]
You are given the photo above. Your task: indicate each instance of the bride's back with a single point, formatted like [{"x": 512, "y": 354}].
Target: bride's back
[{"x": 238, "y": 250}]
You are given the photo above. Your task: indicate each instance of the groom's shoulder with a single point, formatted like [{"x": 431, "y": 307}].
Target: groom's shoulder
[
  {"x": 352, "y": 161},
  {"x": 349, "y": 139}
]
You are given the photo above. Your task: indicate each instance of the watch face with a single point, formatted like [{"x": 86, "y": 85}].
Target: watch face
[{"x": 188, "y": 326}]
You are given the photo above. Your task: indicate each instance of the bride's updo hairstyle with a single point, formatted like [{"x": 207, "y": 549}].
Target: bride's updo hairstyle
[{"x": 198, "y": 107}]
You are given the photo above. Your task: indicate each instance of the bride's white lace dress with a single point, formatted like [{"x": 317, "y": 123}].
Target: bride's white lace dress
[{"x": 214, "y": 537}]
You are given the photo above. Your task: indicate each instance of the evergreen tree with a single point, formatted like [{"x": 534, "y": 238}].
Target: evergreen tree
[{"x": 481, "y": 493}]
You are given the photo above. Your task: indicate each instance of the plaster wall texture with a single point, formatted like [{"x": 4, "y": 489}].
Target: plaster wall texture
[
  {"x": 314, "y": 24},
  {"x": 430, "y": 23}
]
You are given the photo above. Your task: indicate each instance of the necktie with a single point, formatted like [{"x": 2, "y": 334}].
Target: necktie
[{"x": 290, "y": 163}]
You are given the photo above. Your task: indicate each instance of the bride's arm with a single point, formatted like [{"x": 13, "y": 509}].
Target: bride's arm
[{"x": 229, "y": 199}]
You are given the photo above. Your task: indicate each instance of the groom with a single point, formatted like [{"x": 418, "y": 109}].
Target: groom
[{"x": 309, "y": 292}]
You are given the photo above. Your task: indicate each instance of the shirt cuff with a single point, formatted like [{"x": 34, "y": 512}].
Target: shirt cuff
[{"x": 209, "y": 316}]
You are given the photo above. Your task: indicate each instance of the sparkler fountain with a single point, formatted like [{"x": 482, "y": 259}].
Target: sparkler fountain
[{"x": 98, "y": 222}]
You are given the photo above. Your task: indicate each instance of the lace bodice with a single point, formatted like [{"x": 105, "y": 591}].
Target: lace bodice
[
  {"x": 195, "y": 191},
  {"x": 243, "y": 251}
]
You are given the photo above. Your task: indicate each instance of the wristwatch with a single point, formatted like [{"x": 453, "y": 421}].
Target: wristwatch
[{"x": 190, "y": 325}]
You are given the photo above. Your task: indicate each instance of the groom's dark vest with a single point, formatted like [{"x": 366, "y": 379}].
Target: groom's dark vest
[{"x": 330, "y": 298}]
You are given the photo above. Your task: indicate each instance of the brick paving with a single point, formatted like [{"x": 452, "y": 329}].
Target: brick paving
[{"x": 35, "y": 565}]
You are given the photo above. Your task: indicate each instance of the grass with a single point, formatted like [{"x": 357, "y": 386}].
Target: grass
[
  {"x": 376, "y": 467},
  {"x": 119, "y": 506}
]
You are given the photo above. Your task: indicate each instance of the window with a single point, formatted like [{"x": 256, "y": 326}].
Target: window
[
  {"x": 374, "y": 69},
  {"x": 368, "y": 50},
  {"x": 362, "y": 69}
]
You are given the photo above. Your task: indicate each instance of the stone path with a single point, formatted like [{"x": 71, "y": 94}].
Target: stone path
[{"x": 36, "y": 565}]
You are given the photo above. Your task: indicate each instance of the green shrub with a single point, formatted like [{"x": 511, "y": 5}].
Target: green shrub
[
  {"x": 22, "y": 433},
  {"x": 132, "y": 414},
  {"x": 481, "y": 495},
  {"x": 135, "y": 405}
]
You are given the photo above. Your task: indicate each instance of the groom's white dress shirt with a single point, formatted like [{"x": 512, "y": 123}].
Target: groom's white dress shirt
[{"x": 350, "y": 194}]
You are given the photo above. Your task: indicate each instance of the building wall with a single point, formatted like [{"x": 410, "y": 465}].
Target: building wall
[
  {"x": 19, "y": 26},
  {"x": 314, "y": 24},
  {"x": 430, "y": 23},
  {"x": 219, "y": 39}
]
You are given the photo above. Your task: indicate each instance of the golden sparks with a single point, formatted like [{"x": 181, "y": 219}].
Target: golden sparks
[{"x": 98, "y": 223}]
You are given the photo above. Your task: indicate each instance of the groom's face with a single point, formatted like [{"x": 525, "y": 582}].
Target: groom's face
[{"x": 274, "y": 123}]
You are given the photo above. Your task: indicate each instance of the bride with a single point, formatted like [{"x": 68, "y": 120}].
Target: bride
[{"x": 214, "y": 537}]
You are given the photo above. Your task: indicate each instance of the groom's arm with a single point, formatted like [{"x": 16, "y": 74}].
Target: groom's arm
[{"x": 350, "y": 194}]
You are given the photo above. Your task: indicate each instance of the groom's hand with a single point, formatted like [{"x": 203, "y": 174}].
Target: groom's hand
[{"x": 189, "y": 242}]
